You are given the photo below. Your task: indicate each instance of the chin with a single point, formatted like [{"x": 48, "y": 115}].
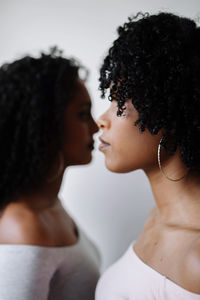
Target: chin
[
  {"x": 81, "y": 161},
  {"x": 86, "y": 160},
  {"x": 118, "y": 168}
]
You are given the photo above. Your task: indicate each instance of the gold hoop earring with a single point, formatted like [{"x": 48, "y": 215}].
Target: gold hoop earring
[
  {"x": 161, "y": 169},
  {"x": 59, "y": 169}
]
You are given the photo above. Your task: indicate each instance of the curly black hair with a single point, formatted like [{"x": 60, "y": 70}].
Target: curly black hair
[
  {"x": 155, "y": 61},
  {"x": 34, "y": 93}
]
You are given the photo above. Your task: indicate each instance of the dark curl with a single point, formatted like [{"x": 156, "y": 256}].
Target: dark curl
[
  {"x": 155, "y": 61},
  {"x": 34, "y": 93}
]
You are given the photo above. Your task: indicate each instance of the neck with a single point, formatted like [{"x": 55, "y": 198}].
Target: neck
[
  {"x": 178, "y": 202},
  {"x": 46, "y": 197}
]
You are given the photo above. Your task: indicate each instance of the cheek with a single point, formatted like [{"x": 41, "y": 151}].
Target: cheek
[
  {"x": 78, "y": 138},
  {"x": 132, "y": 150},
  {"x": 77, "y": 132},
  {"x": 75, "y": 147}
]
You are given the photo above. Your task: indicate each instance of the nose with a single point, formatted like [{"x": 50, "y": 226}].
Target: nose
[
  {"x": 103, "y": 122},
  {"x": 93, "y": 126}
]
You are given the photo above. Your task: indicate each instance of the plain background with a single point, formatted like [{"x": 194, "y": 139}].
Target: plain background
[{"x": 110, "y": 207}]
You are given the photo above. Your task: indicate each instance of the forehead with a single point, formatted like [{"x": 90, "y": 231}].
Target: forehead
[
  {"x": 80, "y": 98},
  {"x": 81, "y": 94}
]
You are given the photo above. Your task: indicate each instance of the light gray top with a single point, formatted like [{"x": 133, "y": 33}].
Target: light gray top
[{"x": 55, "y": 273}]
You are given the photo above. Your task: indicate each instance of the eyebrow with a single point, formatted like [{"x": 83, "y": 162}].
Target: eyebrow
[{"x": 86, "y": 104}]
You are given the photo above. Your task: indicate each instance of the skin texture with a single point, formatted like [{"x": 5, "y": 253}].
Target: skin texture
[
  {"x": 170, "y": 241},
  {"x": 80, "y": 128},
  {"x": 40, "y": 219},
  {"x": 121, "y": 133}
]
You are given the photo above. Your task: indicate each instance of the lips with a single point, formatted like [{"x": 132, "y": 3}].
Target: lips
[{"x": 104, "y": 145}]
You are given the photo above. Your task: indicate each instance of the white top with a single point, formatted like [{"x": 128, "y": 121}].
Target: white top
[
  {"x": 131, "y": 279},
  {"x": 54, "y": 273}
]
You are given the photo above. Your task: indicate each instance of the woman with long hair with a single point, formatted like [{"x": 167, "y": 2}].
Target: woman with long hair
[{"x": 45, "y": 126}]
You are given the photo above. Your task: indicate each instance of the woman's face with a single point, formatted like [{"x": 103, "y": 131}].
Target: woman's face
[
  {"x": 125, "y": 147},
  {"x": 79, "y": 128}
]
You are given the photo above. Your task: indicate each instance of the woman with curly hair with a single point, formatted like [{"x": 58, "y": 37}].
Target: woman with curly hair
[
  {"x": 153, "y": 123},
  {"x": 45, "y": 126}
]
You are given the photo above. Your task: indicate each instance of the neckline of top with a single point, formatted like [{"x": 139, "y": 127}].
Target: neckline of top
[
  {"x": 157, "y": 273},
  {"x": 46, "y": 247}
]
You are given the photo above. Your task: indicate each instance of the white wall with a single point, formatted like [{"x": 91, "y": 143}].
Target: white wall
[{"x": 110, "y": 207}]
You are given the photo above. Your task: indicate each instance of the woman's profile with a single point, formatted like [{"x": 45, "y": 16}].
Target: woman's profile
[
  {"x": 45, "y": 126},
  {"x": 152, "y": 72}
]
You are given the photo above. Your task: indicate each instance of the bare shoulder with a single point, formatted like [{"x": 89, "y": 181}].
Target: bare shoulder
[
  {"x": 20, "y": 225},
  {"x": 191, "y": 268}
]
